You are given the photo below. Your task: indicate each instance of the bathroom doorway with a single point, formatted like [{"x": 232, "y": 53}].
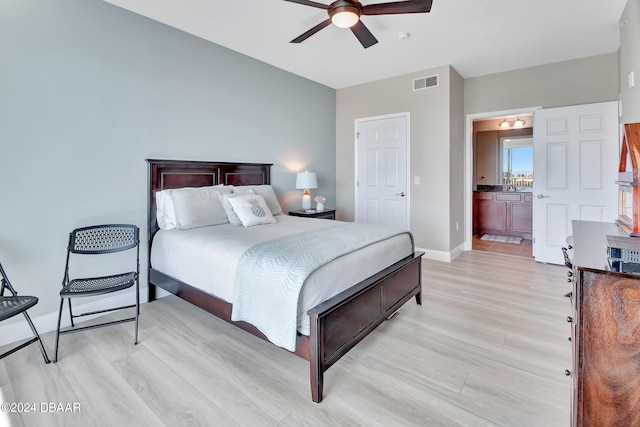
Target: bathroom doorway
[{"x": 499, "y": 212}]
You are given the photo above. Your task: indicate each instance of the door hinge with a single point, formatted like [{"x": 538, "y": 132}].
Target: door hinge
[{"x": 358, "y": 135}]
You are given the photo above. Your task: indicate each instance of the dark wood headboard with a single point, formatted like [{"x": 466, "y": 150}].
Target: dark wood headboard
[{"x": 167, "y": 174}]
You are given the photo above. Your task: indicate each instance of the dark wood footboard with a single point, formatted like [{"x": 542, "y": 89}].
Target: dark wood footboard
[{"x": 341, "y": 322}]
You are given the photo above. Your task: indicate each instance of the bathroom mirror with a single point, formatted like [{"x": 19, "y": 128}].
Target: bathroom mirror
[
  {"x": 517, "y": 161},
  {"x": 504, "y": 158}
]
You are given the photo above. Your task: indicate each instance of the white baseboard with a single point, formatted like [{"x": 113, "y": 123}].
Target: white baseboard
[
  {"x": 19, "y": 330},
  {"x": 442, "y": 255},
  {"x": 457, "y": 251}
]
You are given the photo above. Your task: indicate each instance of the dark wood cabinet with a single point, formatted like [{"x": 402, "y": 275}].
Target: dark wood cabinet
[
  {"x": 503, "y": 213},
  {"x": 605, "y": 326}
]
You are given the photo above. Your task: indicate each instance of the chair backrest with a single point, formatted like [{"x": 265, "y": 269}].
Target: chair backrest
[
  {"x": 102, "y": 239},
  {"x": 6, "y": 284}
]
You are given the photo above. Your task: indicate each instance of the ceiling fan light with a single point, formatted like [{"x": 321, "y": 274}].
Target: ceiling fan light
[{"x": 344, "y": 18}]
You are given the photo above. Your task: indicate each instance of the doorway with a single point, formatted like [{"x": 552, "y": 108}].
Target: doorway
[
  {"x": 576, "y": 151},
  {"x": 382, "y": 170},
  {"x": 508, "y": 222}
]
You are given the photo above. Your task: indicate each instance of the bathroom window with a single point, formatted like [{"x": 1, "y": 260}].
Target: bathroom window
[{"x": 517, "y": 162}]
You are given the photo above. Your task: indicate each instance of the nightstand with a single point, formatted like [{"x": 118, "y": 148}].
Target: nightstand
[{"x": 326, "y": 214}]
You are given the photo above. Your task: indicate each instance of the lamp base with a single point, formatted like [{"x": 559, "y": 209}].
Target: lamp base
[{"x": 306, "y": 202}]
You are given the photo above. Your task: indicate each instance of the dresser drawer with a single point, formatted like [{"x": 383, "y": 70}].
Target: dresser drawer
[
  {"x": 508, "y": 197},
  {"x": 483, "y": 196}
]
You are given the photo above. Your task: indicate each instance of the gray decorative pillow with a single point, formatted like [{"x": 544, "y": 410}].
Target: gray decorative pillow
[
  {"x": 251, "y": 209},
  {"x": 224, "y": 198},
  {"x": 270, "y": 197}
]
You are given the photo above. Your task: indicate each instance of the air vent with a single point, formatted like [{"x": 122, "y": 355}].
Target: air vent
[{"x": 425, "y": 82}]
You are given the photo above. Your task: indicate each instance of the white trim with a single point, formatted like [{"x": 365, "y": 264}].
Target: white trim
[
  {"x": 407, "y": 116},
  {"x": 468, "y": 166},
  {"x": 456, "y": 252},
  {"x": 19, "y": 330},
  {"x": 442, "y": 255}
]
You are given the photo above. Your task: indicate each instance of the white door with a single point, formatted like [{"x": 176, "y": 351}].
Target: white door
[
  {"x": 575, "y": 169},
  {"x": 382, "y": 171}
]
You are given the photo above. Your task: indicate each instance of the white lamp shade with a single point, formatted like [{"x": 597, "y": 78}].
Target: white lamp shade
[{"x": 306, "y": 180}]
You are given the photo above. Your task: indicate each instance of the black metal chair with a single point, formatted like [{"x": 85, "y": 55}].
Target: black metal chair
[
  {"x": 99, "y": 240},
  {"x": 13, "y": 305}
]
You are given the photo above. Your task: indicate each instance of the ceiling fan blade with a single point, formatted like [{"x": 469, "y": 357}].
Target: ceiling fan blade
[
  {"x": 302, "y": 37},
  {"x": 310, "y": 3},
  {"x": 408, "y": 6},
  {"x": 364, "y": 35}
]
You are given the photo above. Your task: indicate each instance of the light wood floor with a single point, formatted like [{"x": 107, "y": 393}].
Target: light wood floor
[
  {"x": 488, "y": 347},
  {"x": 524, "y": 248}
]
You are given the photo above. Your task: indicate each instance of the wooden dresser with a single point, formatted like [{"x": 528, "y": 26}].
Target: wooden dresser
[{"x": 605, "y": 334}]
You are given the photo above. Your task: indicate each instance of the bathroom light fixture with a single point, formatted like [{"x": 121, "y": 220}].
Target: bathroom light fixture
[{"x": 517, "y": 123}]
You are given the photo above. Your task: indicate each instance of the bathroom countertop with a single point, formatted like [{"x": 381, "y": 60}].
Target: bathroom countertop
[{"x": 501, "y": 189}]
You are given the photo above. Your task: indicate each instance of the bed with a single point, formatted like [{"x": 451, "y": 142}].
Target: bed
[{"x": 333, "y": 326}]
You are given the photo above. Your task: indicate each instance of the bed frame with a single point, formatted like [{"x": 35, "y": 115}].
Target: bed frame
[{"x": 337, "y": 324}]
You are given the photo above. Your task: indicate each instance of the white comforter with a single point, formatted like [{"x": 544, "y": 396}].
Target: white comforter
[
  {"x": 206, "y": 258},
  {"x": 270, "y": 275}
]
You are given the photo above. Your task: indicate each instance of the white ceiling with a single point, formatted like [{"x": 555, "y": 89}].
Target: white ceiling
[{"x": 476, "y": 37}]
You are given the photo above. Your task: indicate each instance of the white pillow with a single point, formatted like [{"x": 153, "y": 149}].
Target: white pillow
[
  {"x": 165, "y": 213},
  {"x": 270, "y": 197},
  {"x": 251, "y": 209},
  {"x": 232, "y": 217},
  {"x": 190, "y": 207}
]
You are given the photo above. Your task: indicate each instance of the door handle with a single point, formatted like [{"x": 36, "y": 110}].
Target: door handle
[
  {"x": 400, "y": 194},
  {"x": 541, "y": 196}
]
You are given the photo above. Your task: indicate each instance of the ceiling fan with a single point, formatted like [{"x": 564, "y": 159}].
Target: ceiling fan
[{"x": 346, "y": 14}]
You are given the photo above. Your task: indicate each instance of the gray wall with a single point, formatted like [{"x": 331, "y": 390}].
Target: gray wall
[
  {"x": 487, "y": 155},
  {"x": 89, "y": 91},
  {"x": 580, "y": 81},
  {"x": 429, "y": 148},
  {"x": 456, "y": 159},
  {"x": 630, "y": 61}
]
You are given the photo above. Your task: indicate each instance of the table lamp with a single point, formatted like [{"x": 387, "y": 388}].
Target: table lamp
[{"x": 304, "y": 181}]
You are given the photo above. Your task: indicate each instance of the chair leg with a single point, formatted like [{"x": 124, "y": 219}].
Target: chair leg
[
  {"x": 55, "y": 351},
  {"x": 137, "y": 312},
  {"x": 71, "y": 314},
  {"x": 35, "y": 332}
]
